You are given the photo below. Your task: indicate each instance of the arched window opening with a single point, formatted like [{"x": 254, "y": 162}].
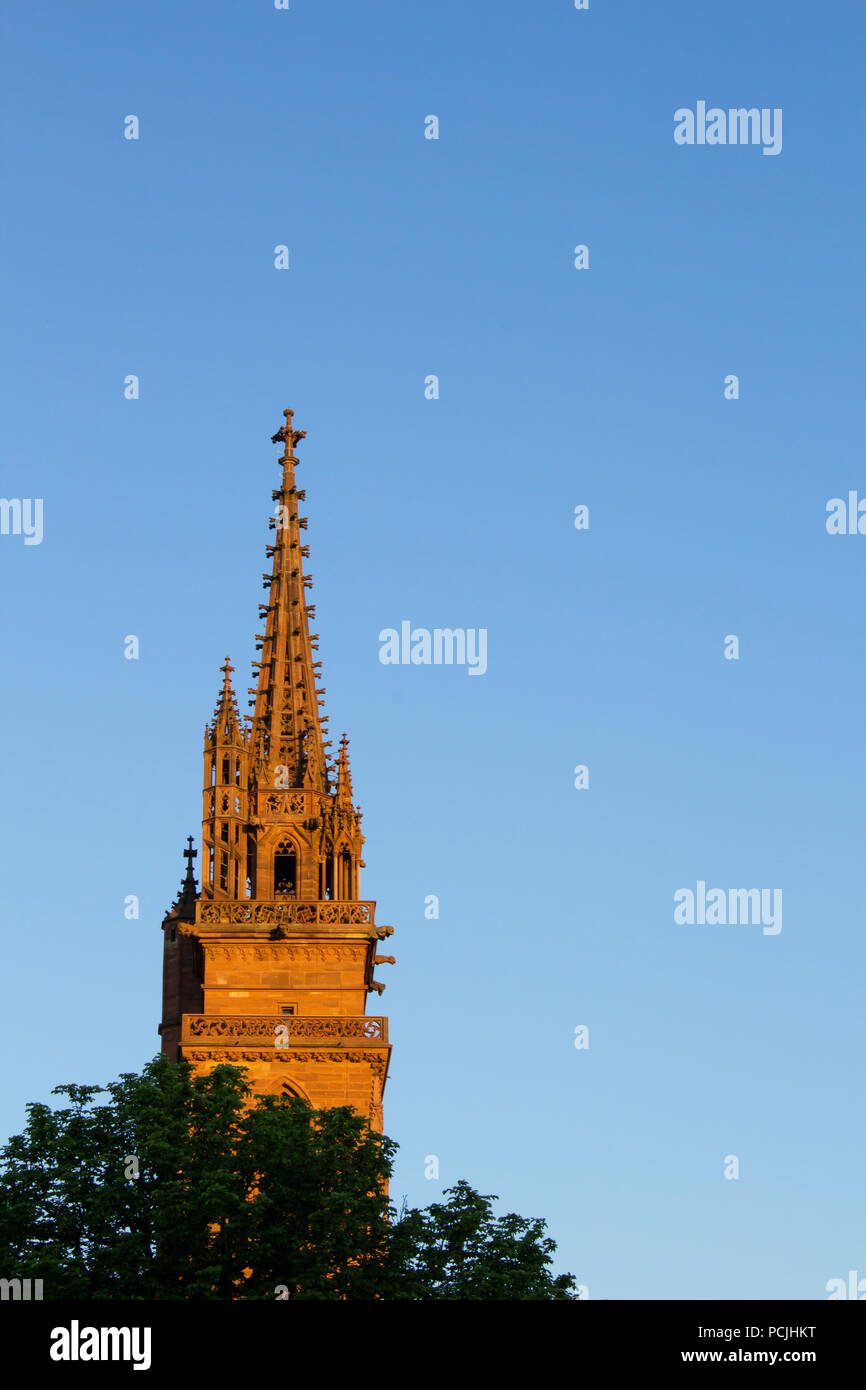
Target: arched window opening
[
  {"x": 326, "y": 874},
  {"x": 226, "y": 766},
  {"x": 345, "y": 874},
  {"x": 286, "y": 870},
  {"x": 251, "y": 867}
]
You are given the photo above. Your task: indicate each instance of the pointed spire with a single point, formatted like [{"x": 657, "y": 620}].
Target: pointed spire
[
  {"x": 226, "y": 719},
  {"x": 287, "y": 726},
  {"x": 184, "y": 903},
  {"x": 250, "y": 825},
  {"x": 344, "y": 774}
]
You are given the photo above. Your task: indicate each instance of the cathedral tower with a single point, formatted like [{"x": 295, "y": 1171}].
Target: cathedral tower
[{"x": 270, "y": 965}]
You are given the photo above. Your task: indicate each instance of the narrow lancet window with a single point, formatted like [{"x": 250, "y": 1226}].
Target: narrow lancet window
[{"x": 285, "y": 870}]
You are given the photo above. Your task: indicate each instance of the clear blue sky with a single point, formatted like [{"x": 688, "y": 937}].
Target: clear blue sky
[{"x": 412, "y": 257}]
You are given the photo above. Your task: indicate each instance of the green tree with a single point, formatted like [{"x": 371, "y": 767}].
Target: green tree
[
  {"x": 169, "y": 1185},
  {"x": 460, "y": 1250}
]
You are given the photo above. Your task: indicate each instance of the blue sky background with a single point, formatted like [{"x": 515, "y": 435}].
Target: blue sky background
[{"x": 558, "y": 387}]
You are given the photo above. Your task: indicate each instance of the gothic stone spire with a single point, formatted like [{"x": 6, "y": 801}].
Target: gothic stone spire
[
  {"x": 287, "y": 733},
  {"x": 274, "y": 822}
]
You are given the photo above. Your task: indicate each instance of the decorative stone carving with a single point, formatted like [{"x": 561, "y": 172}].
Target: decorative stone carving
[
  {"x": 283, "y": 804},
  {"x": 325, "y": 954},
  {"x": 251, "y": 1055},
  {"x": 234, "y": 1029},
  {"x": 284, "y": 912}
]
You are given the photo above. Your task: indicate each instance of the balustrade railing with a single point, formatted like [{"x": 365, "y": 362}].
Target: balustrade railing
[
  {"x": 283, "y": 912},
  {"x": 282, "y": 1029}
]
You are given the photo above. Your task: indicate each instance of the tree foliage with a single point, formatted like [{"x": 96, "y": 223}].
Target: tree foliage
[
  {"x": 459, "y": 1250},
  {"x": 169, "y": 1185}
]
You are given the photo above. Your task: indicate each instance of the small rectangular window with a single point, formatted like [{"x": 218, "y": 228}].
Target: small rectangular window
[{"x": 287, "y": 1008}]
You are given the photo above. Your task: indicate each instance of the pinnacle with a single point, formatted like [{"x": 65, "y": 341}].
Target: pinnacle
[
  {"x": 344, "y": 775},
  {"x": 184, "y": 903}
]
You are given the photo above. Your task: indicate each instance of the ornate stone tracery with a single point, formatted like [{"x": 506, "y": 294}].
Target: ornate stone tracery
[
  {"x": 229, "y": 1028},
  {"x": 278, "y": 911},
  {"x": 325, "y": 954}
]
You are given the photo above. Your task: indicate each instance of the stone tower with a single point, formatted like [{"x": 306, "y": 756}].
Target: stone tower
[{"x": 269, "y": 967}]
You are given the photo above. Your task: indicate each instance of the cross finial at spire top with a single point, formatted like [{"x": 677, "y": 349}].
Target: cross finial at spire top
[
  {"x": 189, "y": 854},
  {"x": 226, "y": 669},
  {"x": 288, "y": 436}
]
